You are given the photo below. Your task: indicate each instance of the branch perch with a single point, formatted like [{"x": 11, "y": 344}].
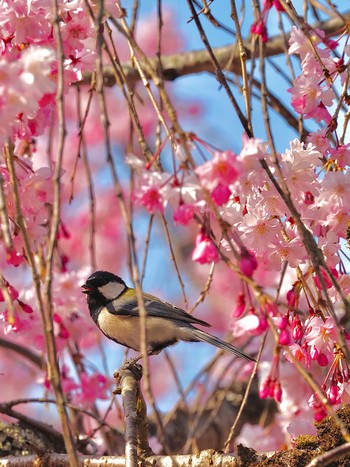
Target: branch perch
[{"x": 136, "y": 423}]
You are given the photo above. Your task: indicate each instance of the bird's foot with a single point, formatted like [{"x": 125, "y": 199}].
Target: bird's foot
[{"x": 128, "y": 365}]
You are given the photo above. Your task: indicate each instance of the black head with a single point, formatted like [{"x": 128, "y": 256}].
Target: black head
[{"x": 103, "y": 286}]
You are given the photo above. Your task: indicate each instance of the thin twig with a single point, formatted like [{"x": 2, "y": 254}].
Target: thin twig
[
  {"x": 245, "y": 397},
  {"x": 4, "y": 219}
]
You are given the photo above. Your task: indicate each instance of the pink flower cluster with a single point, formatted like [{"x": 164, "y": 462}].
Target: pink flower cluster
[
  {"x": 27, "y": 88},
  {"x": 312, "y": 90},
  {"x": 28, "y": 63},
  {"x": 251, "y": 205},
  {"x": 259, "y": 27},
  {"x": 90, "y": 387},
  {"x": 265, "y": 236},
  {"x": 35, "y": 192}
]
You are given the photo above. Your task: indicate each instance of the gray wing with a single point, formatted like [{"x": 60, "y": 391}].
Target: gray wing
[{"x": 128, "y": 306}]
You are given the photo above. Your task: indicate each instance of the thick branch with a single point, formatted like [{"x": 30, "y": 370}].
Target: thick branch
[
  {"x": 187, "y": 63},
  {"x": 129, "y": 377},
  {"x": 209, "y": 457},
  {"x": 36, "y": 425}
]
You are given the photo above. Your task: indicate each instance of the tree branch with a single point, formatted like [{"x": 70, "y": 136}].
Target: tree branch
[
  {"x": 198, "y": 61},
  {"x": 208, "y": 457},
  {"x": 330, "y": 456},
  {"x": 35, "y": 358}
]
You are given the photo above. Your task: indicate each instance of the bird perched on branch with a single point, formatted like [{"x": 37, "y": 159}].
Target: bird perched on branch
[{"x": 114, "y": 308}]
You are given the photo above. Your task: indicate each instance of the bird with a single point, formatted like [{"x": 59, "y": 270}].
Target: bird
[{"x": 114, "y": 308}]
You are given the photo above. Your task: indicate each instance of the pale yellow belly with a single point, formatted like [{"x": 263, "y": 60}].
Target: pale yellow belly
[{"x": 126, "y": 329}]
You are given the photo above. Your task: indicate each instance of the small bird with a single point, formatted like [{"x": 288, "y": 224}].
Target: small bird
[{"x": 114, "y": 308}]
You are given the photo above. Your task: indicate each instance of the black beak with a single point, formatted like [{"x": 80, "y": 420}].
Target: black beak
[{"x": 86, "y": 288}]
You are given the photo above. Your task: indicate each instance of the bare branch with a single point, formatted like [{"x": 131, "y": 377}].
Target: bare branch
[
  {"x": 35, "y": 358},
  {"x": 198, "y": 61}
]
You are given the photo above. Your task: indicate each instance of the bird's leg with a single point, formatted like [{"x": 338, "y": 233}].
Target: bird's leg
[
  {"x": 129, "y": 368},
  {"x": 132, "y": 361}
]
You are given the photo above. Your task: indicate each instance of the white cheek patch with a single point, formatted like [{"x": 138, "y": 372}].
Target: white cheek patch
[{"x": 111, "y": 290}]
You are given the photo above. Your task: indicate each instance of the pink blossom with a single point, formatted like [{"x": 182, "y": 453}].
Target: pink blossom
[
  {"x": 300, "y": 353},
  {"x": 59, "y": 328},
  {"x": 253, "y": 149},
  {"x": 13, "y": 293},
  {"x": 293, "y": 295},
  {"x": 322, "y": 360},
  {"x": 183, "y": 214},
  {"x": 270, "y": 388},
  {"x": 78, "y": 62},
  {"x": 306, "y": 94},
  {"x": 319, "y": 114},
  {"x": 25, "y": 307},
  {"x": 265, "y": 389},
  {"x": 326, "y": 279},
  {"x": 37, "y": 67},
  {"x": 282, "y": 322},
  {"x": 319, "y": 410},
  {"x": 259, "y": 28},
  {"x": 221, "y": 194},
  {"x": 285, "y": 337},
  {"x": 92, "y": 387},
  {"x": 302, "y": 156},
  {"x": 269, "y": 438},
  {"x": 319, "y": 140},
  {"x": 309, "y": 198},
  {"x": 259, "y": 231},
  {"x": 220, "y": 170},
  {"x": 271, "y": 203},
  {"x": 26, "y": 21},
  {"x": 277, "y": 5},
  {"x": 150, "y": 192},
  {"x": 24, "y": 83},
  {"x": 14, "y": 323},
  {"x": 277, "y": 392},
  {"x": 240, "y": 306},
  {"x": 68, "y": 383},
  {"x": 333, "y": 394},
  {"x": 71, "y": 314},
  {"x": 297, "y": 327},
  {"x": 320, "y": 336},
  {"x": 301, "y": 425},
  {"x": 152, "y": 200},
  {"x": 341, "y": 155},
  {"x": 205, "y": 251},
  {"x": 248, "y": 262},
  {"x": 298, "y": 43},
  {"x": 75, "y": 28},
  {"x": 293, "y": 251},
  {"x": 250, "y": 323}
]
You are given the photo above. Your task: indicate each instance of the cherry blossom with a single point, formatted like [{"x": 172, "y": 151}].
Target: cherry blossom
[
  {"x": 205, "y": 251},
  {"x": 320, "y": 335},
  {"x": 151, "y": 192},
  {"x": 184, "y": 213},
  {"x": 221, "y": 170}
]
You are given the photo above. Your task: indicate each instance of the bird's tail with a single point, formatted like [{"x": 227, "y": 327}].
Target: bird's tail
[{"x": 205, "y": 337}]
